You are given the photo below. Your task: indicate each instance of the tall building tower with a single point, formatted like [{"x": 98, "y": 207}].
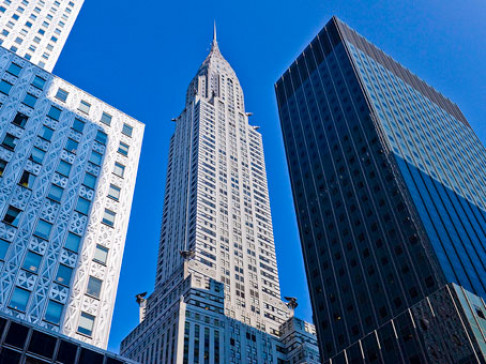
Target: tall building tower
[
  {"x": 217, "y": 294},
  {"x": 68, "y": 164},
  {"x": 37, "y": 29},
  {"x": 388, "y": 180}
]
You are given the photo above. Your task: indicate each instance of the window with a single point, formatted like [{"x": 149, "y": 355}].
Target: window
[
  {"x": 3, "y": 165},
  {"x": 64, "y": 168},
  {"x": 94, "y": 287},
  {"x": 27, "y": 179},
  {"x": 46, "y": 133},
  {"x": 96, "y": 158},
  {"x": 71, "y": 145},
  {"x": 119, "y": 169},
  {"x": 43, "y": 229},
  {"x": 30, "y": 100},
  {"x": 72, "y": 242},
  {"x": 89, "y": 180},
  {"x": 114, "y": 192},
  {"x": 37, "y": 155},
  {"x": 78, "y": 125},
  {"x": 14, "y": 69},
  {"x": 32, "y": 262},
  {"x": 5, "y": 87},
  {"x": 53, "y": 312},
  {"x": 9, "y": 141},
  {"x": 63, "y": 275},
  {"x": 101, "y": 137},
  {"x": 4, "y": 245},
  {"x": 86, "y": 324},
  {"x": 62, "y": 95},
  {"x": 39, "y": 82},
  {"x": 123, "y": 149},
  {"x": 82, "y": 206},
  {"x": 54, "y": 113},
  {"x": 84, "y": 107},
  {"x": 109, "y": 218},
  {"x": 55, "y": 193},
  {"x": 101, "y": 254},
  {"x": 20, "y": 120},
  {"x": 127, "y": 130},
  {"x": 106, "y": 118},
  {"x": 19, "y": 299},
  {"x": 12, "y": 216}
]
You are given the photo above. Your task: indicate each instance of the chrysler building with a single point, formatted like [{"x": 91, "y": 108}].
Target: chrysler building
[{"x": 217, "y": 292}]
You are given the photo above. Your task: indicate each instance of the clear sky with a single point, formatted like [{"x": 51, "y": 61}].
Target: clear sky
[{"x": 140, "y": 57}]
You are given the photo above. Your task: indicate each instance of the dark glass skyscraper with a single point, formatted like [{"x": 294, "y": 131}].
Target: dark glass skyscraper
[{"x": 389, "y": 184}]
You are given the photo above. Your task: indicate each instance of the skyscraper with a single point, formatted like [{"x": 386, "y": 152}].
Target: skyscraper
[
  {"x": 388, "y": 180},
  {"x": 68, "y": 164},
  {"x": 37, "y": 29},
  {"x": 217, "y": 293}
]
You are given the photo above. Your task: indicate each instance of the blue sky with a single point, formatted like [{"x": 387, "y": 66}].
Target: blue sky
[{"x": 140, "y": 57}]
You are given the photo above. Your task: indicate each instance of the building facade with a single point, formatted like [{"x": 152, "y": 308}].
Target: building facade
[
  {"x": 37, "y": 29},
  {"x": 68, "y": 164},
  {"x": 217, "y": 293},
  {"x": 388, "y": 182},
  {"x": 21, "y": 342}
]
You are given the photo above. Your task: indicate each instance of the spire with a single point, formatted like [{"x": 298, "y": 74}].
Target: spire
[{"x": 214, "y": 44}]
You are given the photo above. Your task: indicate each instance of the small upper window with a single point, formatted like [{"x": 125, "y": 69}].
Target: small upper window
[
  {"x": 94, "y": 287},
  {"x": 123, "y": 149},
  {"x": 71, "y": 145},
  {"x": 9, "y": 141},
  {"x": 27, "y": 180},
  {"x": 64, "y": 168},
  {"x": 83, "y": 206},
  {"x": 54, "y": 113},
  {"x": 14, "y": 69},
  {"x": 119, "y": 169},
  {"x": 39, "y": 82},
  {"x": 43, "y": 229},
  {"x": 46, "y": 133},
  {"x": 101, "y": 137},
  {"x": 32, "y": 262},
  {"x": 62, "y": 95},
  {"x": 12, "y": 216},
  {"x": 55, "y": 193},
  {"x": 30, "y": 100},
  {"x": 84, "y": 106},
  {"x": 63, "y": 275},
  {"x": 109, "y": 218},
  {"x": 78, "y": 125},
  {"x": 72, "y": 242},
  {"x": 96, "y": 158},
  {"x": 101, "y": 254},
  {"x": 89, "y": 180},
  {"x": 86, "y": 324},
  {"x": 114, "y": 192},
  {"x": 127, "y": 130},
  {"x": 5, "y": 87},
  {"x": 37, "y": 155},
  {"x": 53, "y": 312},
  {"x": 19, "y": 299},
  {"x": 106, "y": 118},
  {"x": 20, "y": 120}
]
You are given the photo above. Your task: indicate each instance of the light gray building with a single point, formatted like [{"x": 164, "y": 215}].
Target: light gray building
[
  {"x": 68, "y": 165},
  {"x": 217, "y": 293},
  {"x": 37, "y": 29}
]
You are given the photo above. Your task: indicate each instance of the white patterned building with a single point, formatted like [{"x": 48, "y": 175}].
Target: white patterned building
[
  {"x": 68, "y": 164},
  {"x": 217, "y": 293},
  {"x": 37, "y": 29}
]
